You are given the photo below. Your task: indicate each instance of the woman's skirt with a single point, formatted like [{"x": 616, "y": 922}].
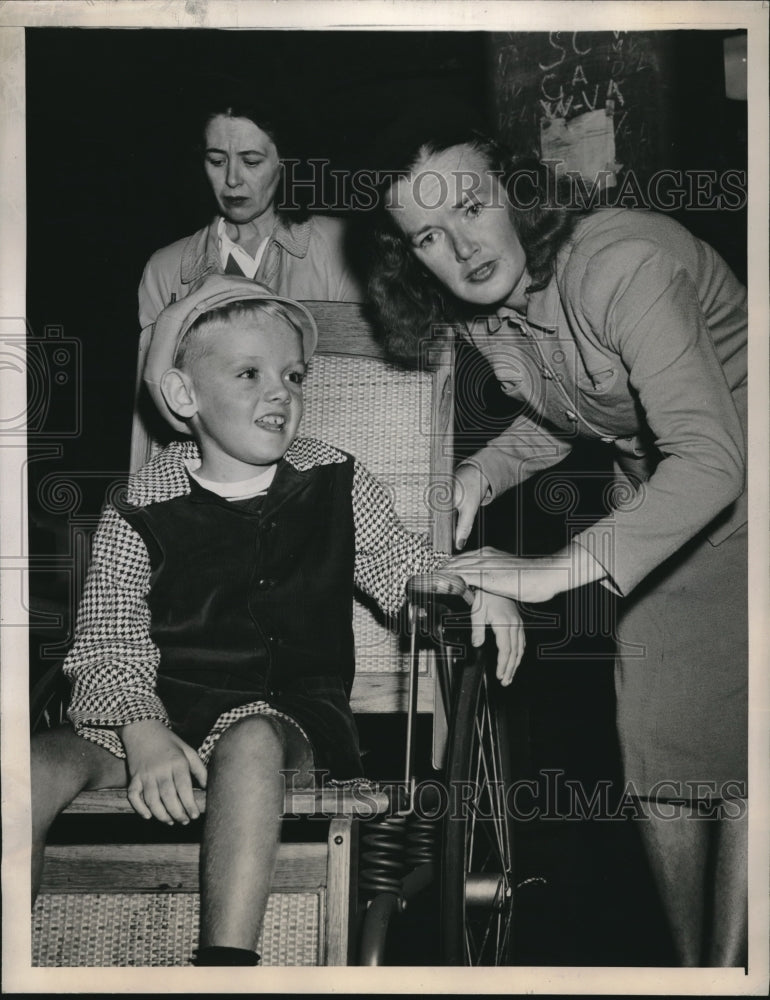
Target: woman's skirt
[{"x": 681, "y": 676}]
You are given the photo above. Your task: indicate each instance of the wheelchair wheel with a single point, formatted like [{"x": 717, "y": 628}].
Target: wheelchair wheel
[{"x": 477, "y": 871}]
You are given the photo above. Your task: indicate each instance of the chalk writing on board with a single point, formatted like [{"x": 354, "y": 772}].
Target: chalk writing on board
[{"x": 557, "y": 76}]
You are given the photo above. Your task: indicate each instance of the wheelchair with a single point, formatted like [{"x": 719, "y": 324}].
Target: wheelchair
[{"x": 334, "y": 896}]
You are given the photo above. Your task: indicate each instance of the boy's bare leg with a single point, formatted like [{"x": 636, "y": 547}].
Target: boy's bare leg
[
  {"x": 62, "y": 765},
  {"x": 241, "y": 831}
]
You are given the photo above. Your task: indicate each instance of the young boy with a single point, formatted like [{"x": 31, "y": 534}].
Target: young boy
[{"x": 214, "y": 640}]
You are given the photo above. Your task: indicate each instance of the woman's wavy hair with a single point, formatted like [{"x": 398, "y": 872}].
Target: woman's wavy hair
[{"x": 408, "y": 300}]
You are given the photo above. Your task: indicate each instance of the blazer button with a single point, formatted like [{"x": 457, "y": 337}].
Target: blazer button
[{"x": 265, "y": 584}]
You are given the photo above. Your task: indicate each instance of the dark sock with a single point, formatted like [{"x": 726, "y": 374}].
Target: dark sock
[{"x": 219, "y": 955}]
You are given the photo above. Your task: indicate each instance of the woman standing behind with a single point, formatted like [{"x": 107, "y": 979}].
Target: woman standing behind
[
  {"x": 617, "y": 326},
  {"x": 299, "y": 257}
]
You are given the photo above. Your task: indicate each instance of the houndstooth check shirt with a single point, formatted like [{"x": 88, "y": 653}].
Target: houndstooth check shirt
[{"x": 113, "y": 662}]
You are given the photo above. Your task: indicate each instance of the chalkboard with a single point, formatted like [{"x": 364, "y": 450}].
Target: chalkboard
[{"x": 541, "y": 76}]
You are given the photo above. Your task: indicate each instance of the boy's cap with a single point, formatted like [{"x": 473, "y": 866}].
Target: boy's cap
[{"x": 176, "y": 319}]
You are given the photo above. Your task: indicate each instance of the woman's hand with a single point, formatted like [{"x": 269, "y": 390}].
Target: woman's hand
[
  {"x": 471, "y": 486},
  {"x": 161, "y": 767},
  {"x": 531, "y": 580},
  {"x": 503, "y": 617}
]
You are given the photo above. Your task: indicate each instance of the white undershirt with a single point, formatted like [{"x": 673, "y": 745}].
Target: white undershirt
[
  {"x": 241, "y": 490},
  {"x": 248, "y": 264}
]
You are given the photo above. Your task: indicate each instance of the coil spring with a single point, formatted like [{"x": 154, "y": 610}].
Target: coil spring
[
  {"x": 383, "y": 855},
  {"x": 420, "y": 841}
]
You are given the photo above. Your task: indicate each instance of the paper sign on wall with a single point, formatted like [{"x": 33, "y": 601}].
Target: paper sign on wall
[{"x": 584, "y": 145}]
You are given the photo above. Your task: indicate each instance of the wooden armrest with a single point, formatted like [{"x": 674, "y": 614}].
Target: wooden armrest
[{"x": 362, "y": 802}]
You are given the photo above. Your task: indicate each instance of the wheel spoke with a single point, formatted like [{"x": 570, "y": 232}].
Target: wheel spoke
[
  {"x": 478, "y": 935},
  {"x": 493, "y": 786},
  {"x": 508, "y": 924},
  {"x": 497, "y": 792}
]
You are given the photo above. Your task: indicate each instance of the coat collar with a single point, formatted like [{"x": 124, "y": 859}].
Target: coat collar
[
  {"x": 543, "y": 308},
  {"x": 542, "y": 313},
  {"x": 287, "y": 483},
  {"x": 166, "y": 477},
  {"x": 201, "y": 252}
]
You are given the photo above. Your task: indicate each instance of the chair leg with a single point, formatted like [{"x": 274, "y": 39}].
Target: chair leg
[{"x": 341, "y": 891}]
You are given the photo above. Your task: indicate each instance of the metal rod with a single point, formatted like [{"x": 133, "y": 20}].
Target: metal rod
[
  {"x": 374, "y": 932},
  {"x": 411, "y": 720},
  {"x": 444, "y": 678}
]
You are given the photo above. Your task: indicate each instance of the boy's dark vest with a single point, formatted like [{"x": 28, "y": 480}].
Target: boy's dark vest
[{"x": 250, "y": 594}]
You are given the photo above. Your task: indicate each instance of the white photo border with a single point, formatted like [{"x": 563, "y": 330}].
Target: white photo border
[{"x": 352, "y": 15}]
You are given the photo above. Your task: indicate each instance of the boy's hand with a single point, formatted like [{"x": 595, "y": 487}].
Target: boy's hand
[
  {"x": 502, "y": 615},
  {"x": 160, "y": 766}
]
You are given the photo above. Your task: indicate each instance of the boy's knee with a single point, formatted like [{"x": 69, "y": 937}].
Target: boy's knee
[{"x": 257, "y": 736}]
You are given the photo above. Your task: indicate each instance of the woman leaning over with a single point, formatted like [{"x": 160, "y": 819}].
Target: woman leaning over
[{"x": 618, "y": 326}]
